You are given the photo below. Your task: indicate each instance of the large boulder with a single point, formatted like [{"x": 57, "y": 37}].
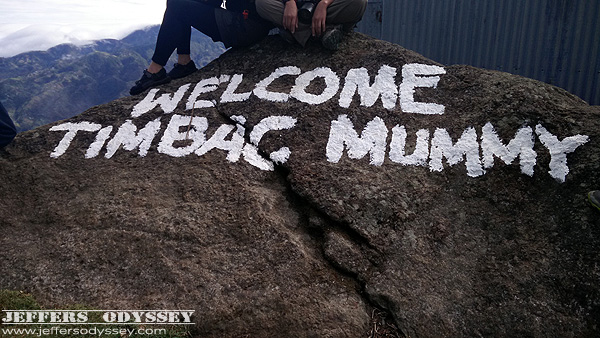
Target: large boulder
[{"x": 283, "y": 191}]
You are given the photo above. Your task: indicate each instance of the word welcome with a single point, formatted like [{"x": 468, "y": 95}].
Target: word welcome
[{"x": 357, "y": 80}]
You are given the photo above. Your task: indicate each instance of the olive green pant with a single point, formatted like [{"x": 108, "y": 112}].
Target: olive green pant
[{"x": 339, "y": 12}]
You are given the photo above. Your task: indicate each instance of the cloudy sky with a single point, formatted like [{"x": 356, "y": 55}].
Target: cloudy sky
[{"x": 27, "y": 25}]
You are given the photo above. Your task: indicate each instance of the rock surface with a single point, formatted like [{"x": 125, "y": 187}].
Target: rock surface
[{"x": 449, "y": 241}]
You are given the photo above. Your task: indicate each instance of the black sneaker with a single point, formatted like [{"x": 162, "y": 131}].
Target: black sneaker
[
  {"x": 594, "y": 197},
  {"x": 149, "y": 80},
  {"x": 180, "y": 71},
  {"x": 332, "y": 37}
]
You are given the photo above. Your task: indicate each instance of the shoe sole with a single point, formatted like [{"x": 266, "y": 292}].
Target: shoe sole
[
  {"x": 332, "y": 41},
  {"x": 593, "y": 201},
  {"x": 182, "y": 76},
  {"x": 158, "y": 83}
]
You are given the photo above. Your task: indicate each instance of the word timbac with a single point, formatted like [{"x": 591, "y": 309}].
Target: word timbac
[{"x": 193, "y": 136}]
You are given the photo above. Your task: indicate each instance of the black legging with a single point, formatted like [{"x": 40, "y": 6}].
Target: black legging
[
  {"x": 176, "y": 29},
  {"x": 7, "y": 127}
]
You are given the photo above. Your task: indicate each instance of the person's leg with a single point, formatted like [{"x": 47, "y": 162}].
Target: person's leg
[
  {"x": 342, "y": 16},
  {"x": 8, "y": 131},
  {"x": 175, "y": 30},
  {"x": 346, "y": 12},
  {"x": 272, "y": 11},
  {"x": 183, "y": 59},
  {"x": 175, "y": 33},
  {"x": 340, "y": 12}
]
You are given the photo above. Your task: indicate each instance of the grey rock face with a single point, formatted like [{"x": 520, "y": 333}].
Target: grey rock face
[{"x": 452, "y": 197}]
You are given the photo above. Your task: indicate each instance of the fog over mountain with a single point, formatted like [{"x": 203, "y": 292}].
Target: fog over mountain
[
  {"x": 40, "y": 87},
  {"x": 41, "y": 24}
]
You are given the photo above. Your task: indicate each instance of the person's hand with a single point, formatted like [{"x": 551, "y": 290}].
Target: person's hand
[
  {"x": 319, "y": 18},
  {"x": 290, "y": 16}
]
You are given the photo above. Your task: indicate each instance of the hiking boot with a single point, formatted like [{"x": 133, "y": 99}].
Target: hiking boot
[
  {"x": 180, "y": 71},
  {"x": 286, "y": 36},
  {"x": 332, "y": 37},
  {"x": 594, "y": 198},
  {"x": 149, "y": 80}
]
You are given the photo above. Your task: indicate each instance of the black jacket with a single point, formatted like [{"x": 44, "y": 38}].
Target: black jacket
[
  {"x": 7, "y": 127},
  {"x": 240, "y": 25}
]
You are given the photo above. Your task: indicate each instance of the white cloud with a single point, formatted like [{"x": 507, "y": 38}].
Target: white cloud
[{"x": 40, "y": 24}]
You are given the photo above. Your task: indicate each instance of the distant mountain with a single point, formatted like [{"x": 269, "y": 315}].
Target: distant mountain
[{"x": 42, "y": 87}]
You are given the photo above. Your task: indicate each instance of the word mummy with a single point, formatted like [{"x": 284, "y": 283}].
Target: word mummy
[{"x": 430, "y": 150}]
